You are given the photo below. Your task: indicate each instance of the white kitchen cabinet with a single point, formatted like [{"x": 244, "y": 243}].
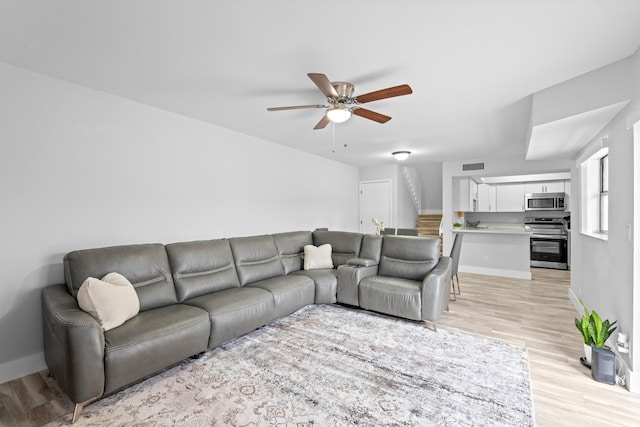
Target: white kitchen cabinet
[
  {"x": 473, "y": 195},
  {"x": 545, "y": 187},
  {"x": 465, "y": 194},
  {"x": 510, "y": 197},
  {"x": 486, "y": 198}
]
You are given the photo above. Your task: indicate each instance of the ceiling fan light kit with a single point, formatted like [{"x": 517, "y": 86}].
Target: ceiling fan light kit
[
  {"x": 342, "y": 103},
  {"x": 338, "y": 113},
  {"x": 401, "y": 155}
]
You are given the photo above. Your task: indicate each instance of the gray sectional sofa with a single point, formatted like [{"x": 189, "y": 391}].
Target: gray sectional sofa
[{"x": 195, "y": 296}]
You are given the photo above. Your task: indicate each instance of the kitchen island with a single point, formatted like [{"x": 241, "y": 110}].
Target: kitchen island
[{"x": 495, "y": 249}]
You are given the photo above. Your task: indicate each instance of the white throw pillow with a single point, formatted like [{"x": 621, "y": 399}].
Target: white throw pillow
[
  {"x": 112, "y": 300},
  {"x": 316, "y": 257}
]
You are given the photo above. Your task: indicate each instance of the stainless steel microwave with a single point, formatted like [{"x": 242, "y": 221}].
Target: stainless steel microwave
[{"x": 544, "y": 201}]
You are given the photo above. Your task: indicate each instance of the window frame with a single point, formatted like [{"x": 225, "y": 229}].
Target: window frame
[
  {"x": 603, "y": 216},
  {"x": 594, "y": 202}
]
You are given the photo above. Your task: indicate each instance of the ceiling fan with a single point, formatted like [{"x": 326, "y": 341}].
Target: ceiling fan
[{"x": 342, "y": 103}]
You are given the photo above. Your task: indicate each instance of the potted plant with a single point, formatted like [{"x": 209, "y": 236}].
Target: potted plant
[
  {"x": 600, "y": 330},
  {"x": 603, "y": 366},
  {"x": 583, "y": 326},
  {"x": 457, "y": 225}
]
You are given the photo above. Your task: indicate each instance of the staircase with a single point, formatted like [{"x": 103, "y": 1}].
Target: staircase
[{"x": 429, "y": 225}]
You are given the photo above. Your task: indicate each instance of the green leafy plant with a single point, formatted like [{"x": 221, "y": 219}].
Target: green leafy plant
[
  {"x": 457, "y": 225},
  {"x": 583, "y": 325},
  {"x": 600, "y": 330}
]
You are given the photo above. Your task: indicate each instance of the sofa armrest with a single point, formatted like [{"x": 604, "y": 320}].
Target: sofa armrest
[
  {"x": 349, "y": 276},
  {"x": 73, "y": 345},
  {"x": 435, "y": 290},
  {"x": 362, "y": 262}
]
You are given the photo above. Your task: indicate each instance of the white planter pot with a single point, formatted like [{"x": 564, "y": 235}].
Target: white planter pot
[{"x": 587, "y": 352}]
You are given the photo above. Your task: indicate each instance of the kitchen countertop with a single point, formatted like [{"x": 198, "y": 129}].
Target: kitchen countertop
[{"x": 494, "y": 228}]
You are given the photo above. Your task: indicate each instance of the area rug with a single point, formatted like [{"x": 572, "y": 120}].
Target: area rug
[{"x": 329, "y": 365}]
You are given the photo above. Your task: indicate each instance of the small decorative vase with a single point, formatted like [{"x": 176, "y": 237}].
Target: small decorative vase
[{"x": 587, "y": 352}]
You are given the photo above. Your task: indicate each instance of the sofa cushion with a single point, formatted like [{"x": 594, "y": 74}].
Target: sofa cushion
[
  {"x": 234, "y": 312},
  {"x": 291, "y": 248},
  {"x": 152, "y": 341},
  {"x": 112, "y": 300},
  {"x": 408, "y": 257},
  {"x": 371, "y": 247},
  {"x": 390, "y": 295},
  {"x": 146, "y": 267},
  {"x": 345, "y": 245},
  {"x": 202, "y": 267},
  {"x": 317, "y": 257},
  {"x": 290, "y": 293},
  {"x": 256, "y": 258},
  {"x": 326, "y": 283}
]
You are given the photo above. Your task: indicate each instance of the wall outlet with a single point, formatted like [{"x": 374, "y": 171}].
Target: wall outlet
[
  {"x": 486, "y": 258},
  {"x": 627, "y": 232}
]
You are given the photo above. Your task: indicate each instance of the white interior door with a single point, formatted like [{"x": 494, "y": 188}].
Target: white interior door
[{"x": 375, "y": 202}]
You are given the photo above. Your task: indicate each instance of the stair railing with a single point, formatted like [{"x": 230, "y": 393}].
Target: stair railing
[{"x": 413, "y": 182}]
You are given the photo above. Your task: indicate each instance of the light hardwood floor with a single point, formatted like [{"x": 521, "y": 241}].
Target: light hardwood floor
[
  {"x": 534, "y": 314},
  {"x": 537, "y": 315}
]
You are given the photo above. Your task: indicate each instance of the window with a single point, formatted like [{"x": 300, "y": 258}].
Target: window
[
  {"x": 594, "y": 203},
  {"x": 604, "y": 194}
]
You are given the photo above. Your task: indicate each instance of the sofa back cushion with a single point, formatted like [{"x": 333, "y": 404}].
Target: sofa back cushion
[
  {"x": 291, "y": 248},
  {"x": 408, "y": 257},
  {"x": 145, "y": 266},
  {"x": 344, "y": 245},
  {"x": 371, "y": 247},
  {"x": 202, "y": 267},
  {"x": 256, "y": 258}
]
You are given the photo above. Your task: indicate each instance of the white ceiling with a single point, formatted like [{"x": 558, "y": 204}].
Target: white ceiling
[{"x": 472, "y": 64}]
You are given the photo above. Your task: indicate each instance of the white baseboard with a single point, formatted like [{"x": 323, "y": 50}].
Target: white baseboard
[
  {"x": 633, "y": 382},
  {"x": 21, "y": 367},
  {"x": 513, "y": 274},
  {"x": 575, "y": 301}
]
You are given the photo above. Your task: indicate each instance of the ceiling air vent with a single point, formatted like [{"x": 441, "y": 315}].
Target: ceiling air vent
[{"x": 473, "y": 167}]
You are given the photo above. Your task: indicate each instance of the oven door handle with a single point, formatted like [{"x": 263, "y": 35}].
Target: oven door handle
[{"x": 549, "y": 236}]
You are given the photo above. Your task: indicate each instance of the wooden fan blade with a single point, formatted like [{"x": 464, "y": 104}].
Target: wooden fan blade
[
  {"x": 389, "y": 92},
  {"x": 323, "y": 84},
  {"x": 295, "y": 107},
  {"x": 371, "y": 115},
  {"x": 324, "y": 121}
]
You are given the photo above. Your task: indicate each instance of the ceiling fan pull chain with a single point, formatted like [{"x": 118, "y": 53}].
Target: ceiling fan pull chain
[{"x": 333, "y": 147}]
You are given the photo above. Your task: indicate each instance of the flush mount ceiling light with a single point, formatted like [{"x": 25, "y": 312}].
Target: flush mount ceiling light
[
  {"x": 338, "y": 113},
  {"x": 401, "y": 155}
]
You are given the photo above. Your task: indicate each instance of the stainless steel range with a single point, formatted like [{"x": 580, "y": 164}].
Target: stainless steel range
[{"x": 548, "y": 245}]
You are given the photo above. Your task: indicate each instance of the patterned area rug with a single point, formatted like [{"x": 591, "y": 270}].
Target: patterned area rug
[{"x": 333, "y": 366}]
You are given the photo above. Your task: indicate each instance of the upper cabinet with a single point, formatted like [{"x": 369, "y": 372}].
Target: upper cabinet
[
  {"x": 510, "y": 197},
  {"x": 465, "y": 194},
  {"x": 486, "y": 198},
  {"x": 545, "y": 187},
  {"x": 469, "y": 196}
]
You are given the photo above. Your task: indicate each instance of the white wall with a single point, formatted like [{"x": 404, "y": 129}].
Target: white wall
[
  {"x": 603, "y": 271},
  {"x": 81, "y": 169}
]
